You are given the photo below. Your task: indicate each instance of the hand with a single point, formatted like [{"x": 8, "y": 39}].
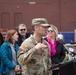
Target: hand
[
  {"x": 17, "y": 68},
  {"x": 40, "y": 46}
]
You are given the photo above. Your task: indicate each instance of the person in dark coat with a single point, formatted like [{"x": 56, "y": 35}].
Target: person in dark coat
[
  {"x": 1, "y": 42},
  {"x": 1, "y": 39},
  {"x": 22, "y": 33},
  {"x": 57, "y": 49}
]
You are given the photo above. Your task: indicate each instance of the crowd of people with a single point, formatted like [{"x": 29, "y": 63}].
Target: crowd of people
[{"x": 23, "y": 53}]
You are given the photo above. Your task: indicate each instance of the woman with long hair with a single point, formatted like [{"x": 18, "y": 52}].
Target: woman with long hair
[
  {"x": 57, "y": 49},
  {"x": 8, "y": 53}
]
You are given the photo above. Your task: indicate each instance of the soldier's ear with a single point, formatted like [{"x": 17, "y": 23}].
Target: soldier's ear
[{"x": 36, "y": 27}]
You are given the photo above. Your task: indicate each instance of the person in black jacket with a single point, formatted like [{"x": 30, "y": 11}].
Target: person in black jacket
[
  {"x": 22, "y": 33},
  {"x": 57, "y": 49},
  {"x": 1, "y": 39},
  {"x": 1, "y": 42}
]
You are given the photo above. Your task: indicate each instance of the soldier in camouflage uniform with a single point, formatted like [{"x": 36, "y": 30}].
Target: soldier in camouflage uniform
[{"x": 34, "y": 54}]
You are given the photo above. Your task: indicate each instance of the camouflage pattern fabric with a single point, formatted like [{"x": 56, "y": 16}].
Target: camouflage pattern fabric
[{"x": 34, "y": 62}]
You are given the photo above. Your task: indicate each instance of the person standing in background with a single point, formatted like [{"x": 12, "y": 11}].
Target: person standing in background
[
  {"x": 57, "y": 48},
  {"x": 34, "y": 54},
  {"x": 8, "y": 52},
  {"x": 1, "y": 39},
  {"x": 22, "y": 32},
  {"x": 1, "y": 42}
]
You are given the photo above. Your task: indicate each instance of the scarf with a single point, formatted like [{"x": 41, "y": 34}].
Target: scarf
[{"x": 52, "y": 46}]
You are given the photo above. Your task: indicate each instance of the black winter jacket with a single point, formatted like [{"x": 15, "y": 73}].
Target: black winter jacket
[{"x": 60, "y": 53}]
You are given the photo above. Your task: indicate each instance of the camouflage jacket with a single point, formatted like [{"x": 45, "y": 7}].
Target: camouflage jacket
[{"x": 34, "y": 62}]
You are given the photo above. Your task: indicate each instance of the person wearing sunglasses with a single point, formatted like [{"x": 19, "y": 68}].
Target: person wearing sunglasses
[
  {"x": 22, "y": 32},
  {"x": 57, "y": 49}
]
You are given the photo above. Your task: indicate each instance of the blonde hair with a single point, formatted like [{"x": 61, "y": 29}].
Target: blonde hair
[{"x": 55, "y": 30}]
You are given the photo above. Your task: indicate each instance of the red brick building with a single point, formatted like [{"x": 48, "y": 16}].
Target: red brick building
[{"x": 61, "y": 13}]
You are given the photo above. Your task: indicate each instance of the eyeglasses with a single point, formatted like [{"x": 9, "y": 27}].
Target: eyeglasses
[
  {"x": 22, "y": 29},
  {"x": 50, "y": 31}
]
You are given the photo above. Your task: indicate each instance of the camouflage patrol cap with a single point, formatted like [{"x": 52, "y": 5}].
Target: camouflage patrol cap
[{"x": 40, "y": 21}]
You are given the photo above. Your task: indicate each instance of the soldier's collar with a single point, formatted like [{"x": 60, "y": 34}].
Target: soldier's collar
[{"x": 35, "y": 41}]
